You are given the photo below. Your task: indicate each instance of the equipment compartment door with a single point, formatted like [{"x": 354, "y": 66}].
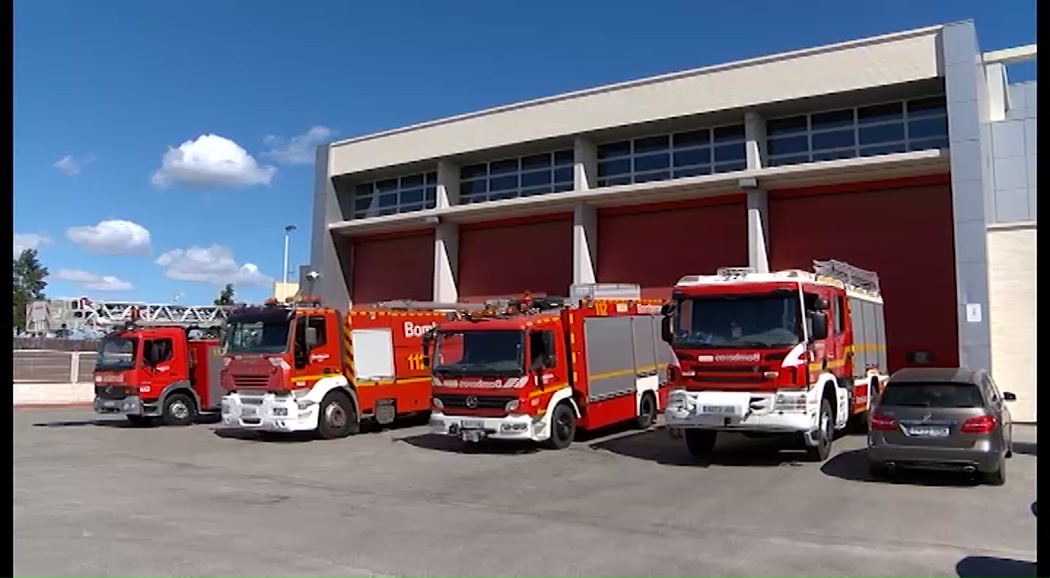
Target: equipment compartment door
[
  {"x": 373, "y": 354},
  {"x": 213, "y": 365},
  {"x": 609, "y": 357},
  {"x": 645, "y": 362}
]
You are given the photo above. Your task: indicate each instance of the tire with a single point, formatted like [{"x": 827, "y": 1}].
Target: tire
[
  {"x": 140, "y": 420},
  {"x": 646, "y": 412},
  {"x": 337, "y": 416},
  {"x": 563, "y": 427},
  {"x": 700, "y": 442},
  {"x": 179, "y": 409},
  {"x": 826, "y": 433},
  {"x": 998, "y": 477}
]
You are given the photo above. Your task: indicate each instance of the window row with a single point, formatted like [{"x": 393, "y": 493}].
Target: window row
[
  {"x": 526, "y": 176},
  {"x": 917, "y": 124},
  {"x": 672, "y": 156},
  {"x": 392, "y": 196}
]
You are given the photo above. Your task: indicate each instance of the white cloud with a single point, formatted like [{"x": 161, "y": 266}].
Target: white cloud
[
  {"x": 211, "y": 161},
  {"x": 213, "y": 264},
  {"x": 23, "y": 241},
  {"x": 112, "y": 237},
  {"x": 298, "y": 150},
  {"x": 71, "y": 165},
  {"x": 92, "y": 281}
]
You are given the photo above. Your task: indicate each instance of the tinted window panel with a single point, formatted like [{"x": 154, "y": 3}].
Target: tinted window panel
[
  {"x": 362, "y": 190},
  {"x": 613, "y": 181},
  {"x": 692, "y": 157},
  {"x": 649, "y": 177},
  {"x": 782, "y": 126},
  {"x": 431, "y": 193},
  {"x": 563, "y": 175},
  {"x": 928, "y": 127},
  {"x": 386, "y": 185},
  {"x": 412, "y": 181},
  {"x": 788, "y": 160},
  {"x": 932, "y": 395},
  {"x": 651, "y": 144},
  {"x": 729, "y": 152},
  {"x": 692, "y": 172},
  {"x": 503, "y": 167},
  {"x": 535, "y": 179},
  {"x": 883, "y": 133},
  {"x": 536, "y": 191},
  {"x": 924, "y": 107},
  {"x": 472, "y": 171},
  {"x": 473, "y": 187},
  {"x": 786, "y": 145},
  {"x": 833, "y": 139},
  {"x": 502, "y": 195},
  {"x": 409, "y": 208},
  {"x": 564, "y": 157},
  {"x": 562, "y": 187},
  {"x": 882, "y": 150},
  {"x": 432, "y": 178},
  {"x": 729, "y": 133},
  {"x": 362, "y": 203},
  {"x": 503, "y": 183},
  {"x": 389, "y": 200},
  {"x": 880, "y": 113},
  {"x": 832, "y": 119},
  {"x": 832, "y": 155},
  {"x": 535, "y": 162},
  {"x": 412, "y": 195},
  {"x": 610, "y": 168},
  {"x": 694, "y": 138},
  {"x": 616, "y": 149},
  {"x": 651, "y": 162},
  {"x": 928, "y": 144},
  {"x": 730, "y": 167}
]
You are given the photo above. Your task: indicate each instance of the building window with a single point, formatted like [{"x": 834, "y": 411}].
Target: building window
[
  {"x": 538, "y": 174},
  {"x": 895, "y": 127},
  {"x": 397, "y": 195},
  {"x": 672, "y": 156}
]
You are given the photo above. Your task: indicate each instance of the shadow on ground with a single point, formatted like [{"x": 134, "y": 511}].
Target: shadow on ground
[
  {"x": 1025, "y": 448},
  {"x": 450, "y": 444},
  {"x": 117, "y": 422},
  {"x": 983, "y": 566},
  {"x": 731, "y": 450},
  {"x": 367, "y": 428},
  {"x": 853, "y": 466}
]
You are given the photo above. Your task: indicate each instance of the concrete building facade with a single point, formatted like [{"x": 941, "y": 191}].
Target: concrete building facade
[{"x": 888, "y": 152}]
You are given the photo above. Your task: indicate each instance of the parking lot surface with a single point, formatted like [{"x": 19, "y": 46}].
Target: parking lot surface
[{"x": 96, "y": 498}]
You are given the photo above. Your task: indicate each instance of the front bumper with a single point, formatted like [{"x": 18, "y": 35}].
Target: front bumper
[
  {"x": 984, "y": 456},
  {"x": 687, "y": 410},
  {"x": 511, "y": 427},
  {"x": 130, "y": 405},
  {"x": 268, "y": 412}
]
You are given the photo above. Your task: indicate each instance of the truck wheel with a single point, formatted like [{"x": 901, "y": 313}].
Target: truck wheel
[
  {"x": 646, "y": 412},
  {"x": 179, "y": 409},
  {"x": 700, "y": 442},
  {"x": 563, "y": 427},
  {"x": 140, "y": 420},
  {"x": 338, "y": 416},
  {"x": 825, "y": 434}
]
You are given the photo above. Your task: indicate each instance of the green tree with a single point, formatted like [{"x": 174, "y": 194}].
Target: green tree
[
  {"x": 29, "y": 284},
  {"x": 226, "y": 295}
]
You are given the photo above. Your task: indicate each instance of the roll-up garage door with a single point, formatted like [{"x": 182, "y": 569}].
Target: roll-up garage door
[
  {"x": 902, "y": 230},
  {"x": 656, "y": 245},
  {"x": 393, "y": 267},
  {"x": 507, "y": 257}
]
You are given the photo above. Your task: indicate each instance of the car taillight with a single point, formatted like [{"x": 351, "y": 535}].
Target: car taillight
[
  {"x": 978, "y": 425},
  {"x": 881, "y": 422}
]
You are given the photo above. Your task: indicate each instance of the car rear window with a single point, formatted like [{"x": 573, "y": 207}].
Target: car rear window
[{"x": 958, "y": 395}]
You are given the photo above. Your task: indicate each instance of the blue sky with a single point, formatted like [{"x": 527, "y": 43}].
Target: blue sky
[{"x": 106, "y": 93}]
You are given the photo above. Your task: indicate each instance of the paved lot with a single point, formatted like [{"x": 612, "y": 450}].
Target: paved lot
[{"x": 93, "y": 499}]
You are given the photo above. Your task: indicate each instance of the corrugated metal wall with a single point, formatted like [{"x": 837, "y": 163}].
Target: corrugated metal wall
[
  {"x": 511, "y": 256},
  {"x": 900, "y": 229},
  {"x": 393, "y": 267},
  {"x": 655, "y": 245}
]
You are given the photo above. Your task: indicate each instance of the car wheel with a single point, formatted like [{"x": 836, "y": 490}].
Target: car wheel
[
  {"x": 825, "y": 433},
  {"x": 997, "y": 477}
]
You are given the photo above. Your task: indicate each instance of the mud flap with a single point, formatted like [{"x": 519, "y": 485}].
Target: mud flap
[{"x": 385, "y": 411}]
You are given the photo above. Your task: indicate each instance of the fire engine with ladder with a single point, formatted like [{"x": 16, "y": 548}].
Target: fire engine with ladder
[
  {"x": 158, "y": 363},
  {"x": 540, "y": 368},
  {"x": 302, "y": 366},
  {"x": 792, "y": 352}
]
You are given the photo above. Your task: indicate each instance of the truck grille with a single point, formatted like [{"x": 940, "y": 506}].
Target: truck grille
[
  {"x": 113, "y": 391},
  {"x": 250, "y": 381},
  {"x": 489, "y": 402}
]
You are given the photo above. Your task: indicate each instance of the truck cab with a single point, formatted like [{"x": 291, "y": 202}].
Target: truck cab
[{"x": 145, "y": 372}]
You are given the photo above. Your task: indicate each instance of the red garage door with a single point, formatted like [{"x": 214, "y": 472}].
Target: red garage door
[
  {"x": 508, "y": 257},
  {"x": 900, "y": 229},
  {"x": 656, "y": 245},
  {"x": 393, "y": 267}
]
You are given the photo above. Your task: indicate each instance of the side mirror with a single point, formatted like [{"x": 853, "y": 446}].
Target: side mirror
[
  {"x": 1009, "y": 396},
  {"x": 667, "y": 308},
  {"x": 818, "y": 325},
  {"x": 665, "y": 330},
  {"x": 821, "y": 304},
  {"x": 310, "y": 336}
]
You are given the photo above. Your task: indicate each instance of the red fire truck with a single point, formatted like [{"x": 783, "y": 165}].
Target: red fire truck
[
  {"x": 539, "y": 368},
  {"x": 165, "y": 370},
  {"x": 305, "y": 367},
  {"x": 791, "y": 352}
]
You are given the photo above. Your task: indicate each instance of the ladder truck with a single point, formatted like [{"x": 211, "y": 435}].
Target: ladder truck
[
  {"x": 159, "y": 368},
  {"x": 540, "y": 368},
  {"x": 792, "y": 353},
  {"x": 301, "y": 366}
]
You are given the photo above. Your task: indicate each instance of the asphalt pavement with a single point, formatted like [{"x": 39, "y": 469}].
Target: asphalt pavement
[{"x": 97, "y": 498}]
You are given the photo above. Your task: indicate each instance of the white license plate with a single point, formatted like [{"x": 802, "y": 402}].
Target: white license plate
[
  {"x": 719, "y": 409},
  {"x": 472, "y": 424},
  {"x": 109, "y": 404},
  {"x": 930, "y": 432},
  {"x": 249, "y": 412}
]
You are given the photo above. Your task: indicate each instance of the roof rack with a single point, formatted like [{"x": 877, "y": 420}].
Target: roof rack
[{"x": 848, "y": 275}]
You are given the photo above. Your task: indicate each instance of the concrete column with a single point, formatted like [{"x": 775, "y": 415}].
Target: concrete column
[
  {"x": 447, "y": 185},
  {"x": 446, "y": 262},
  {"x": 755, "y": 137},
  {"x": 330, "y": 256},
  {"x": 757, "y": 226},
  {"x": 585, "y": 174},
  {"x": 584, "y": 243}
]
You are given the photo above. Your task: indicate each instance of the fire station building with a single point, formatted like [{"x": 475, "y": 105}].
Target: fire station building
[{"x": 909, "y": 154}]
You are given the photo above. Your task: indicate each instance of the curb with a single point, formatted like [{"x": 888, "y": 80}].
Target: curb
[{"x": 56, "y": 405}]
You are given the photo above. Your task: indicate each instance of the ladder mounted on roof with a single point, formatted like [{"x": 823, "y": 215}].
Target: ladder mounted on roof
[{"x": 848, "y": 274}]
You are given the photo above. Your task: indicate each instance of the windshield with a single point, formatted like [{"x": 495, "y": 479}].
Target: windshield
[
  {"x": 482, "y": 353},
  {"x": 935, "y": 395},
  {"x": 269, "y": 336},
  {"x": 116, "y": 353},
  {"x": 759, "y": 321}
]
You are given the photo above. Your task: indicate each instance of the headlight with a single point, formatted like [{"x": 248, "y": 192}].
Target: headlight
[
  {"x": 511, "y": 405},
  {"x": 303, "y": 405},
  {"x": 790, "y": 401},
  {"x": 437, "y": 403}
]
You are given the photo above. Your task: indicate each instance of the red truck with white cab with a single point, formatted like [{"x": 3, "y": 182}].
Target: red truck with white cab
[
  {"x": 539, "y": 368},
  {"x": 792, "y": 352},
  {"x": 166, "y": 370}
]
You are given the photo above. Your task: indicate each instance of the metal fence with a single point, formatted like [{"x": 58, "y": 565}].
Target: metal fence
[{"x": 49, "y": 366}]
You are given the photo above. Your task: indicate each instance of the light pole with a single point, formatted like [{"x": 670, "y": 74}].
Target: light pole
[{"x": 287, "y": 235}]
